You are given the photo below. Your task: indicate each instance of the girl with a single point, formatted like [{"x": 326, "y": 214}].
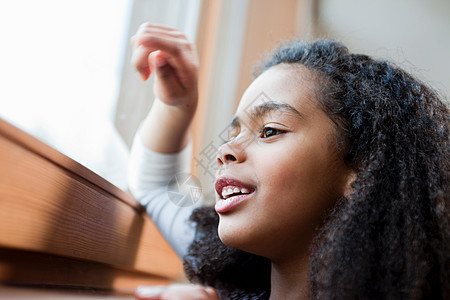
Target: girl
[{"x": 335, "y": 185}]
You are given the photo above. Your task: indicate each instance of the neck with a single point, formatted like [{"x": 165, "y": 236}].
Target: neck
[{"x": 290, "y": 278}]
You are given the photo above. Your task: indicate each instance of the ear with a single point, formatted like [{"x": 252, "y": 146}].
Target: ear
[{"x": 348, "y": 188}]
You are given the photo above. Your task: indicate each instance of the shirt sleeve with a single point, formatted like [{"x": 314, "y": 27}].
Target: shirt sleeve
[{"x": 152, "y": 179}]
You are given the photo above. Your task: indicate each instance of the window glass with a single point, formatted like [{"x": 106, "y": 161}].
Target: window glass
[{"x": 59, "y": 75}]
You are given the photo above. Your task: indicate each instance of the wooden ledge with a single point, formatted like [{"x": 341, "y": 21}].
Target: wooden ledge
[
  {"x": 46, "y": 293},
  {"x": 43, "y": 150},
  {"x": 52, "y": 205}
]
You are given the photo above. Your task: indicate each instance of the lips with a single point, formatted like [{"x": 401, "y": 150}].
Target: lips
[{"x": 232, "y": 192}]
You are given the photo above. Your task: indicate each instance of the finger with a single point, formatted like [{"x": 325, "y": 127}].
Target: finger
[
  {"x": 164, "y": 71},
  {"x": 184, "y": 68},
  {"x": 149, "y": 292},
  {"x": 155, "y": 25},
  {"x": 212, "y": 294},
  {"x": 173, "y": 46},
  {"x": 169, "y": 85},
  {"x": 179, "y": 52},
  {"x": 140, "y": 53},
  {"x": 158, "y": 32},
  {"x": 187, "y": 292},
  {"x": 140, "y": 61},
  {"x": 159, "y": 64}
]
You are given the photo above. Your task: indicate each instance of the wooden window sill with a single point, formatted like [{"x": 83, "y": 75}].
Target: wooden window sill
[
  {"x": 44, "y": 292},
  {"x": 63, "y": 225}
]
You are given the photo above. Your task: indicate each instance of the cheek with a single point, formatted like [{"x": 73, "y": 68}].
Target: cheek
[
  {"x": 293, "y": 173},
  {"x": 298, "y": 184}
]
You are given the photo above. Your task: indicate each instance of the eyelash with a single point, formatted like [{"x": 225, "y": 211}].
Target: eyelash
[
  {"x": 267, "y": 129},
  {"x": 262, "y": 133}
]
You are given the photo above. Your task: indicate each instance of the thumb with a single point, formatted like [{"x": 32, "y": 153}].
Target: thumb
[
  {"x": 163, "y": 70},
  {"x": 168, "y": 84},
  {"x": 149, "y": 292},
  {"x": 212, "y": 293}
]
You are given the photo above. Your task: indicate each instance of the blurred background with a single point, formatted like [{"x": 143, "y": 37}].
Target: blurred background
[{"x": 65, "y": 75}]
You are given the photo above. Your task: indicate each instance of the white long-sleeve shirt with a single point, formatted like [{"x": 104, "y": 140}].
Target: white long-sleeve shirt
[{"x": 149, "y": 174}]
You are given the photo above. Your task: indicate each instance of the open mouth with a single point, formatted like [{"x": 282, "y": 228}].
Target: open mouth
[
  {"x": 230, "y": 191},
  {"x": 228, "y": 187}
]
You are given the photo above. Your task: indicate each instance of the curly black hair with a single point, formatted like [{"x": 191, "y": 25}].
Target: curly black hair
[{"x": 390, "y": 239}]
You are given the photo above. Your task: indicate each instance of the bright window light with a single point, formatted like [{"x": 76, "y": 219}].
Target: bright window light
[{"x": 59, "y": 75}]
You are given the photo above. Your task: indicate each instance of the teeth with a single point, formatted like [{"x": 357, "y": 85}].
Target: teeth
[{"x": 229, "y": 190}]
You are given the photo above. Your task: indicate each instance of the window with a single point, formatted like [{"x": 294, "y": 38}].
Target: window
[
  {"x": 65, "y": 73},
  {"x": 60, "y": 76}
]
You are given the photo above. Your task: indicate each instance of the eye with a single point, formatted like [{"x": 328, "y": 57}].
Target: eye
[{"x": 268, "y": 132}]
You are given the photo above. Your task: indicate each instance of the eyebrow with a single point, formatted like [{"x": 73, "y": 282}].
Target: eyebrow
[{"x": 265, "y": 108}]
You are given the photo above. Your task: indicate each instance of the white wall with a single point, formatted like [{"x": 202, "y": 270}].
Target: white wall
[{"x": 413, "y": 33}]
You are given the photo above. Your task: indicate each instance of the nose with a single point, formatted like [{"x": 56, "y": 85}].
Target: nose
[{"x": 231, "y": 152}]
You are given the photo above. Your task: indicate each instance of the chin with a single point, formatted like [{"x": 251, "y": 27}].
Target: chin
[
  {"x": 235, "y": 236},
  {"x": 229, "y": 234},
  {"x": 225, "y": 234}
]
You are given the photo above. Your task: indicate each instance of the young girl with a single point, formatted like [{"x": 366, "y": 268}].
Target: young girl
[{"x": 334, "y": 186}]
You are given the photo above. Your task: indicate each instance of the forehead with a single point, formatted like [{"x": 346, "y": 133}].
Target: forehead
[{"x": 286, "y": 83}]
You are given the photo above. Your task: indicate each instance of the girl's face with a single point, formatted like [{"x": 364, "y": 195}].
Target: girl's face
[{"x": 280, "y": 171}]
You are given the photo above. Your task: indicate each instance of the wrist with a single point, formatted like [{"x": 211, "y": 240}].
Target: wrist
[{"x": 166, "y": 128}]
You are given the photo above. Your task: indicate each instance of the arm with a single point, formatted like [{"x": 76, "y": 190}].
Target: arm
[
  {"x": 166, "y": 52},
  {"x": 156, "y": 156},
  {"x": 159, "y": 150}
]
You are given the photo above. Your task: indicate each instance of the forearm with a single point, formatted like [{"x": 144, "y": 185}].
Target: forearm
[
  {"x": 166, "y": 128},
  {"x": 148, "y": 175}
]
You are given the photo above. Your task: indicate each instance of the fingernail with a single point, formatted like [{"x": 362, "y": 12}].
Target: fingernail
[
  {"x": 149, "y": 291},
  {"x": 144, "y": 77}
]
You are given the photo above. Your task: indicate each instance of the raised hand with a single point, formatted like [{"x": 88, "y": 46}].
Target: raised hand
[{"x": 167, "y": 52}]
